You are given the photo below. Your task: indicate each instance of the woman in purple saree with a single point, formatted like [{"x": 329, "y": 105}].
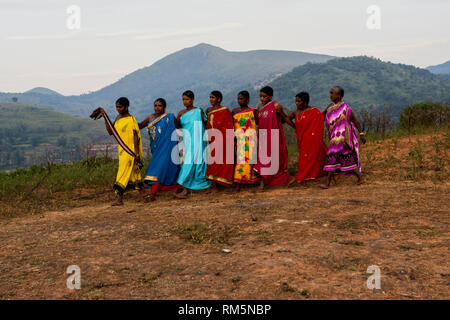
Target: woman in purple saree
[{"x": 343, "y": 152}]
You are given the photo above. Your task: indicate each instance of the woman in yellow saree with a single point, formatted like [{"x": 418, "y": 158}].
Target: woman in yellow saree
[{"x": 129, "y": 173}]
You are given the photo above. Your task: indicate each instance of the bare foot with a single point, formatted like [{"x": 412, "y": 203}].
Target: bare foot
[
  {"x": 211, "y": 190},
  {"x": 334, "y": 179},
  {"x": 238, "y": 187},
  {"x": 118, "y": 202},
  {"x": 148, "y": 198},
  {"x": 290, "y": 182},
  {"x": 360, "y": 181},
  {"x": 324, "y": 186},
  {"x": 261, "y": 186},
  {"x": 181, "y": 194}
]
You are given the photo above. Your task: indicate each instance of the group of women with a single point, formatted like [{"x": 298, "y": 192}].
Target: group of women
[{"x": 257, "y": 152}]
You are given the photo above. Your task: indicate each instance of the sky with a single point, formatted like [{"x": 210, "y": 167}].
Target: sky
[{"x": 42, "y": 44}]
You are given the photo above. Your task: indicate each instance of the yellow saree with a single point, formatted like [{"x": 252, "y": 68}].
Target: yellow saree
[{"x": 128, "y": 175}]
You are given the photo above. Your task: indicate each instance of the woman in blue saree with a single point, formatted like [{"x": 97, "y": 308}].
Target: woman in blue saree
[
  {"x": 192, "y": 121},
  {"x": 163, "y": 169}
]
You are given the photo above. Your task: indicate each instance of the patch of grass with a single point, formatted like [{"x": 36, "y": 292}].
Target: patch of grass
[
  {"x": 351, "y": 242},
  {"x": 201, "y": 233},
  {"x": 305, "y": 293},
  {"x": 407, "y": 247},
  {"x": 96, "y": 294},
  {"x": 41, "y": 188},
  {"x": 285, "y": 287}
]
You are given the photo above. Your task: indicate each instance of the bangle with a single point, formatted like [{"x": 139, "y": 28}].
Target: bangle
[{"x": 361, "y": 133}]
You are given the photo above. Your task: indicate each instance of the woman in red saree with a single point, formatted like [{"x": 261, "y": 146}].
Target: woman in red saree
[
  {"x": 309, "y": 127},
  {"x": 272, "y": 160},
  {"x": 221, "y": 161}
]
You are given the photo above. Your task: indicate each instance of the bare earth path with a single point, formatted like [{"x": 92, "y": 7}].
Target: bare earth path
[{"x": 298, "y": 243}]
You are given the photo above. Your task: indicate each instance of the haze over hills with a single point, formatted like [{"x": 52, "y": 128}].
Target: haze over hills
[
  {"x": 443, "y": 68},
  {"x": 368, "y": 83},
  {"x": 201, "y": 68}
]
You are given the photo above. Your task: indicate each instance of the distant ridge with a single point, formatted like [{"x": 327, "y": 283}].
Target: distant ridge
[
  {"x": 443, "y": 68},
  {"x": 201, "y": 68},
  {"x": 42, "y": 90},
  {"x": 368, "y": 83}
]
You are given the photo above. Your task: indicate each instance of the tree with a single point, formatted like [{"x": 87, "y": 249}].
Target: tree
[
  {"x": 15, "y": 99},
  {"x": 62, "y": 141}
]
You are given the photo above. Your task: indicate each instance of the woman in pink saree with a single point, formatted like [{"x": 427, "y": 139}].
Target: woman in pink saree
[
  {"x": 343, "y": 152},
  {"x": 272, "y": 159}
]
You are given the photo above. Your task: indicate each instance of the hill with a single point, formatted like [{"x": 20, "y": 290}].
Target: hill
[
  {"x": 368, "y": 83},
  {"x": 443, "y": 68},
  {"x": 41, "y": 90},
  {"x": 29, "y": 133},
  {"x": 201, "y": 68},
  {"x": 296, "y": 243}
]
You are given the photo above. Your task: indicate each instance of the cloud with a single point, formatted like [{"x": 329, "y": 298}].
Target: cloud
[
  {"x": 159, "y": 34},
  {"x": 62, "y": 75},
  {"x": 396, "y": 46},
  {"x": 68, "y": 35}
]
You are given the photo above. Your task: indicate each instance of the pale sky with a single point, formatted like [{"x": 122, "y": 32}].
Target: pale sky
[{"x": 118, "y": 37}]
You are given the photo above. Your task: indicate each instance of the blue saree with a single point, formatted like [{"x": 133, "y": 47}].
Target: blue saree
[
  {"x": 162, "y": 169},
  {"x": 193, "y": 169}
]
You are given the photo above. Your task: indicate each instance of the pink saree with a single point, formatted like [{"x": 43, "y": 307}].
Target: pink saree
[{"x": 272, "y": 161}]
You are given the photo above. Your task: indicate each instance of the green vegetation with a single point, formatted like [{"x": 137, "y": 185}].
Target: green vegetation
[
  {"x": 368, "y": 83},
  {"x": 32, "y": 135},
  {"x": 54, "y": 185},
  {"x": 36, "y": 188},
  {"x": 201, "y": 68}
]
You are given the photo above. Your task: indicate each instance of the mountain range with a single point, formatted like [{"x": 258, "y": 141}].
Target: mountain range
[
  {"x": 201, "y": 68},
  {"x": 443, "y": 68},
  {"x": 369, "y": 82}
]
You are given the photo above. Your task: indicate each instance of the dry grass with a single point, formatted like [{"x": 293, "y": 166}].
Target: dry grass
[{"x": 298, "y": 243}]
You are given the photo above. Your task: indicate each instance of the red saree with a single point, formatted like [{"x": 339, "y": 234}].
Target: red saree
[
  {"x": 311, "y": 148},
  {"x": 219, "y": 170},
  {"x": 271, "y": 148}
]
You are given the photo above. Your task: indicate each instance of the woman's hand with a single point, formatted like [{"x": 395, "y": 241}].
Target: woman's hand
[{"x": 363, "y": 138}]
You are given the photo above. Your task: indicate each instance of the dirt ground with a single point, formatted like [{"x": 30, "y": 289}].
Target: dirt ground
[{"x": 296, "y": 243}]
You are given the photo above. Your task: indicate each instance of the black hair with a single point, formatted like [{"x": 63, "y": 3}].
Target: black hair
[
  {"x": 304, "y": 96},
  {"x": 189, "y": 94},
  {"x": 267, "y": 90},
  {"x": 341, "y": 90},
  {"x": 245, "y": 94},
  {"x": 123, "y": 102},
  {"x": 163, "y": 102},
  {"x": 217, "y": 94}
]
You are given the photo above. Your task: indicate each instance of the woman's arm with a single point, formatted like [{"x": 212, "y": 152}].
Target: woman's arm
[
  {"x": 203, "y": 117},
  {"x": 146, "y": 121},
  {"x": 177, "y": 120},
  {"x": 136, "y": 146},
  {"x": 108, "y": 129},
  {"x": 280, "y": 111},
  {"x": 358, "y": 126}
]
